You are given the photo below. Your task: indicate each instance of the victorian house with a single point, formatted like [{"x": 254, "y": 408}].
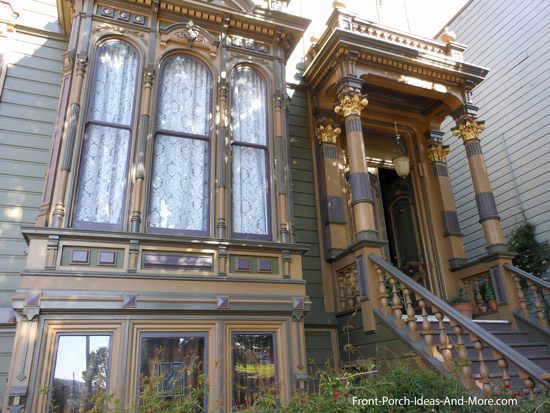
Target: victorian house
[{"x": 202, "y": 217}]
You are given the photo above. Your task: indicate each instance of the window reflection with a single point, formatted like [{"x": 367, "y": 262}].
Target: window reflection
[
  {"x": 254, "y": 367},
  {"x": 81, "y": 372},
  {"x": 172, "y": 362}
]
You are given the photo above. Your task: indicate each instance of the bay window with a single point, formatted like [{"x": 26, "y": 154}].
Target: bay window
[
  {"x": 103, "y": 174},
  {"x": 250, "y": 208},
  {"x": 180, "y": 179}
]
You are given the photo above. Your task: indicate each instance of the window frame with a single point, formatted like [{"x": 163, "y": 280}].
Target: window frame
[
  {"x": 131, "y": 128},
  {"x": 204, "y": 138},
  {"x": 266, "y": 148}
]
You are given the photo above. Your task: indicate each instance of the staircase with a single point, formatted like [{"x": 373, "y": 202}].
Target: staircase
[
  {"x": 484, "y": 355},
  {"x": 536, "y": 351}
]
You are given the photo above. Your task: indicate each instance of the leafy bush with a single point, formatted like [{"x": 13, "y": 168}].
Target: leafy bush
[{"x": 532, "y": 256}]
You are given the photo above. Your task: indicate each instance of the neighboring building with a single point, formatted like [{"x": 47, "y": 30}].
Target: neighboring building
[
  {"x": 513, "y": 101},
  {"x": 200, "y": 215}
]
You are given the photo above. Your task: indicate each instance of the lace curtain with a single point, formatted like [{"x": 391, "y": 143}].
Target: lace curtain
[
  {"x": 249, "y": 153},
  {"x": 179, "y": 183},
  {"x": 104, "y": 163}
]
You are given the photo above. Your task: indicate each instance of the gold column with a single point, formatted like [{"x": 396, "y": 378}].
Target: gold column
[
  {"x": 350, "y": 108},
  {"x": 221, "y": 196},
  {"x": 469, "y": 129},
  {"x": 282, "y": 210},
  {"x": 437, "y": 154},
  {"x": 142, "y": 145},
  {"x": 333, "y": 190}
]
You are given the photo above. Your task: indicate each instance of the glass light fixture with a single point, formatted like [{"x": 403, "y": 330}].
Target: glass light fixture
[{"x": 401, "y": 159}]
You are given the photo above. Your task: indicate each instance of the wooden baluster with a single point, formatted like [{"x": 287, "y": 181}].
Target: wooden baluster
[
  {"x": 444, "y": 344},
  {"x": 350, "y": 301},
  {"x": 539, "y": 309},
  {"x": 478, "y": 297},
  {"x": 411, "y": 316},
  {"x": 528, "y": 383},
  {"x": 521, "y": 298},
  {"x": 383, "y": 293},
  {"x": 396, "y": 305},
  {"x": 483, "y": 369},
  {"x": 468, "y": 289},
  {"x": 502, "y": 364},
  {"x": 427, "y": 330},
  {"x": 463, "y": 359},
  {"x": 356, "y": 296},
  {"x": 342, "y": 292}
]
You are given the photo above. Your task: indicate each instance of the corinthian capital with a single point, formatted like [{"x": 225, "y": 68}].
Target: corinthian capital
[
  {"x": 438, "y": 153},
  {"x": 469, "y": 130},
  {"x": 351, "y": 105},
  {"x": 328, "y": 134}
]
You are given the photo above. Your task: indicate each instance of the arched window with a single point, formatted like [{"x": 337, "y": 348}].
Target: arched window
[
  {"x": 102, "y": 180},
  {"x": 250, "y": 208},
  {"x": 180, "y": 196}
]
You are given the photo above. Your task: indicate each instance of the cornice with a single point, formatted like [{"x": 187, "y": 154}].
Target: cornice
[{"x": 397, "y": 56}]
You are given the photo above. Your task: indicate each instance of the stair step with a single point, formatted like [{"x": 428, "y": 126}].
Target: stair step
[
  {"x": 508, "y": 336},
  {"x": 525, "y": 349},
  {"x": 543, "y": 361}
]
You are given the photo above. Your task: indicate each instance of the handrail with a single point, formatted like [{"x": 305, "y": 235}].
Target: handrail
[
  {"x": 534, "y": 284},
  {"x": 479, "y": 335},
  {"x": 528, "y": 276}
]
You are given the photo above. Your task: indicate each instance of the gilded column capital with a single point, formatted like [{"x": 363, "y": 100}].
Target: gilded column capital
[
  {"x": 438, "y": 153},
  {"x": 328, "y": 134},
  {"x": 469, "y": 130},
  {"x": 351, "y": 105}
]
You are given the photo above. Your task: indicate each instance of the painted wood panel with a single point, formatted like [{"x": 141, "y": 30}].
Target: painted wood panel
[{"x": 513, "y": 101}]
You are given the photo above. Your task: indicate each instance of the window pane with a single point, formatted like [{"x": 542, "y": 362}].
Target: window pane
[
  {"x": 115, "y": 75},
  {"x": 179, "y": 184},
  {"x": 254, "y": 367},
  {"x": 249, "y": 188},
  {"x": 102, "y": 180},
  {"x": 176, "y": 361},
  {"x": 249, "y": 117},
  {"x": 185, "y": 95},
  {"x": 81, "y": 371}
]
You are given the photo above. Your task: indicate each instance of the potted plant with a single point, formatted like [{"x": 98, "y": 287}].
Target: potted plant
[
  {"x": 462, "y": 303},
  {"x": 490, "y": 297},
  {"x": 483, "y": 307}
]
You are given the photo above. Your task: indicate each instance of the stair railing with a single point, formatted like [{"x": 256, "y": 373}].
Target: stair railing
[
  {"x": 538, "y": 288},
  {"x": 393, "y": 302}
]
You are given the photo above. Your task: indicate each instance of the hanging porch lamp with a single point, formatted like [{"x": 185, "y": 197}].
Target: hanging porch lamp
[{"x": 401, "y": 159}]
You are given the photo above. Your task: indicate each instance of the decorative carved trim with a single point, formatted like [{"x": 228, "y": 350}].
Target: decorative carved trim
[
  {"x": 335, "y": 209},
  {"x": 353, "y": 124},
  {"x": 190, "y": 35},
  {"x": 473, "y": 148},
  {"x": 328, "y": 134},
  {"x": 486, "y": 206},
  {"x": 118, "y": 29},
  {"x": 249, "y": 58},
  {"x": 469, "y": 130},
  {"x": 360, "y": 188},
  {"x": 438, "y": 153},
  {"x": 351, "y": 105}
]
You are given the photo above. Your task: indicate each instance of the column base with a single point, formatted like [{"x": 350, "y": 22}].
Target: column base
[
  {"x": 335, "y": 252},
  {"x": 366, "y": 235},
  {"x": 496, "y": 249},
  {"x": 456, "y": 263}
]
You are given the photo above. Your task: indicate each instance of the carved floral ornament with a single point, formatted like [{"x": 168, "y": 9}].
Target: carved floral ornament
[
  {"x": 328, "y": 134},
  {"x": 469, "y": 130},
  {"x": 351, "y": 105},
  {"x": 438, "y": 153}
]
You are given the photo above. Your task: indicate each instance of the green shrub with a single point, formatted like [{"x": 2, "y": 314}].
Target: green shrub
[{"x": 532, "y": 256}]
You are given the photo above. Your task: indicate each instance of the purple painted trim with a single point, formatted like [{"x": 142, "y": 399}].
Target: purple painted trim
[
  {"x": 275, "y": 358},
  {"x": 262, "y": 48},
  {"x": 335, "y": 209},
  {"x": 249, "y": 44},
  {"x": 243, "y": 264},
  {"x": 269, "y": 235},
  {"x": 123, "y": 15},
  {"x": 298, "y": 303},
  {"x": 107, "y": 258},
  {"x": 486, "y": 206},
  {"x": 80, "y": 257},
  {"x": 362, "y": 278},
  {"x": 172, "y": 261},
  {"x": 129, "y": 300},
  {"x": 265, "y": 265},
  {"x": 360, "y": 188},
  {"x": 223, "y": 301},
  {"x": 130, "y": 127},
  {"x": 175, "y": 334},
  {"x": 138, "y": 19},
  {"x": 188, "y": 136},
  {"x": 496, "y": 278},
  {"x": 57, "y": 138},
  {"x": 33, "y": 299},
  {"x": 450, "y": 223},
  {"x": 54, "y": 361},
  {"x": 107, "y": 11},
  {"x": 74, "y": 29}
]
